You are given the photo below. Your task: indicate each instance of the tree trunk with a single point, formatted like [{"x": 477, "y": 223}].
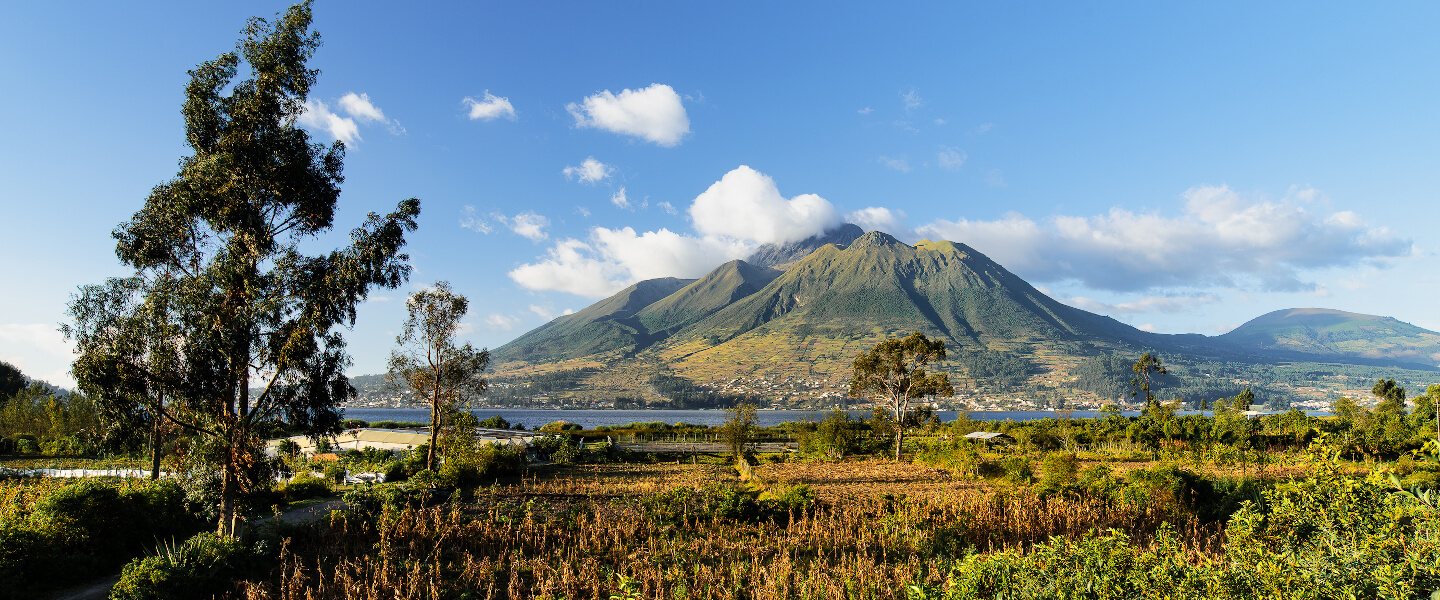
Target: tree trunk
[
  {"x": 227, "y": 495},
  {"x": 899, "y": 439},
  {"x": 155, "y": 448},
  {"x": 434, "y": 431}
]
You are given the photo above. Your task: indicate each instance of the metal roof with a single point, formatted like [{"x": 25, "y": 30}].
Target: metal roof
[{"x": 984, "y": 435}]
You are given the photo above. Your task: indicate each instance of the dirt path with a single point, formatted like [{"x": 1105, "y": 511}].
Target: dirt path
[{"x": 98, "y": 589}]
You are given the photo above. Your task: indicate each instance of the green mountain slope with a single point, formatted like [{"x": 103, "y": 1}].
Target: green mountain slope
[
  {"x": 609, "y": 325},
  {"x": 942, "y": 288},
  {"x": 722, "y": 287},
  {"x": 1326, "y": 333}
]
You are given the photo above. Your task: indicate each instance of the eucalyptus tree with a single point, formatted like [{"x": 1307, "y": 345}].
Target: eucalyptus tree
[
  {"x": 225, "y": 324},
  {"x": 894, "y": 370},
  {"x": 428, "y": 361},
  {"x": 1148, "y": 371}
]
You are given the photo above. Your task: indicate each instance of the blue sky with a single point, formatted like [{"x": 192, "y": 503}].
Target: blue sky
[{"x": 1183, "y": 168}]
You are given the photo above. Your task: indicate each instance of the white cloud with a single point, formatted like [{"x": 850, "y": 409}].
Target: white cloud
[
  {"x": 575, "y": 267},
  {"x": 655, "y": 114},
  {"x": 746, "y": 204},
  {"x": 318, "y": 116},
  {"x": 734, "y": 216},
  {"x": 911, "y": 98},
  {"x": 951, "y": 158},
  {"x": 667, "y": 207},
  {"x": 527, "y": 224},
  {"x": 499, "y": 322},
  {"x": 1148, "y": 327},
  {"x": 1152, "y": 304},
  {"x": 589, "y": 171},
  {"x": 360, "y": 107},
  {"x": 618, "y": 198},
  {"x": 490, "y": 107},
  {"x": 994, "y": 178},
  {"x": 615, "y": 258},
  {"x": 39, "y": 350},
  {"x": 899, "y": 164},
  {"x": 1221, "y": 239},
  {"x": 939, "y": 121},
  {"x": 582, "y": 211},
  {"x": 548, "y": 313},
  {"x": 984, "y": 128},
  {"x": 865, "y": 111},
  {"x": 530, "y": 225},
  {"x": 881, "y": 219},
  {"x": 469, "y": 219}
]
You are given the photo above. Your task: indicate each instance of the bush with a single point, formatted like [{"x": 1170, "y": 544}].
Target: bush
[
  {"x": 495, "y": 422},
  {"x": 396, "y": 471},
  {"x": 486, "y": 463},
  {"x": 334, "y": 473},
  {"x": 204, "y": 566},
  {"x": 305, "y": 486},
  {"x": 558, "y": 426}
]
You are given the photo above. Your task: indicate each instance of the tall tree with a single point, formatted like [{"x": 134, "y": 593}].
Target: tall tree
[
  {"x": 1243, "y": 400},
  {"x": 895, "y": 371},
  {"x": 11, "y": 381},
  {"x": 249, "y": 330},
  {"x": 428, "y": 361},
  {"x": 739, "y": 429},
  {"x": 1147, "y": 371},
  {"x": 1392, "y": 397}
]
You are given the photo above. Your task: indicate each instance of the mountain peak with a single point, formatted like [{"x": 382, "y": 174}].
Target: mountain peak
[
  {"x": 780, "y": 256},
  {"x": 877, "y": 239}
]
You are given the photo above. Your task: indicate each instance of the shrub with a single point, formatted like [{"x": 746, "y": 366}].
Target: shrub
[
  {"x": 495, "y": 422},
  {"x": 558, "y": 426},
  {"x": 305, "y": 486},
  {"x": 396, "y": 471},
  {"x": 204, "y": 566},
  {"x": 334, "y": 473}
]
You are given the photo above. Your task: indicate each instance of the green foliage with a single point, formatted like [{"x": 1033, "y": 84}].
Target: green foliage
[
  {"x": 558, "y": 426},
  {"x": 835, "y": 437},
  {"x": 895, "y": 371},
  {"x": 204, "y": 566},
  {"x": 305, "y": 486},
  {"x": 86, "y": 528},
  {"x": 11, "y": 381},
  {"x": 429, "y": 363},
  {"x": 38, "y": 420},
  {"x": 220, "y": 290},
  {"x": 738, "y": 432},
  {"x": 1005, "y": 370}
]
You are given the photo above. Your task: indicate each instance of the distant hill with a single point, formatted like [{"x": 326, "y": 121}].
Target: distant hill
[
  {"x": 1322, "y": 333},
  {"x": 609, "y": 325}
]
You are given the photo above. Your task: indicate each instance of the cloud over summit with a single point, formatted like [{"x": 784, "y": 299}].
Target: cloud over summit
[{"x": 731, "y": 218}]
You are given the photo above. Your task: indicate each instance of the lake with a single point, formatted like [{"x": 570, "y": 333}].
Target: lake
[{"x": 589, "y": 419}]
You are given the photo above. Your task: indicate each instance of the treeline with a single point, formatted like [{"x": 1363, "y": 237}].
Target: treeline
[
  {"x": 1003, "y": 370},
  {"x": 1109, "y": 375},
  {"x": 515, "y": 390},
  {"x": 36, "y": 417},
  {"x": 682, "y": 393}
]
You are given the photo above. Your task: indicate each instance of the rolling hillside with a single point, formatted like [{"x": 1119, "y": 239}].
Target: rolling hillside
[
  {"x": 1321, "y": 333},
  {"x": 751, "y": 329}
]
